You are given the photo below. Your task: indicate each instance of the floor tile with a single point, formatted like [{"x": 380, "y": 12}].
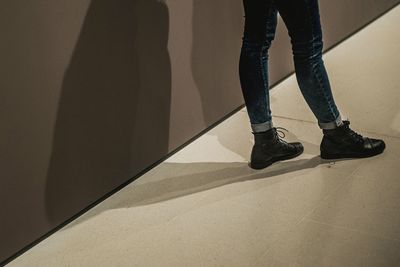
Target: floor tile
[{"x": 314, "y": 244}]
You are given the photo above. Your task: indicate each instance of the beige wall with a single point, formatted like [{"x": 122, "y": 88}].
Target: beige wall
[{"x": 93, "y": 92}]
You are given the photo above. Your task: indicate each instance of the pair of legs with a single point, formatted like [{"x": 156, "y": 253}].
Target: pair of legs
[{"x": 302, "y": 20}]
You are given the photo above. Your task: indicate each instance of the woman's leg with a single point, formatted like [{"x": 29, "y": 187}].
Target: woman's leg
[
  {"x": 259, "y": 31},
  {"x": 302, "y": 20},
  {"x": 339, "y": 141}
]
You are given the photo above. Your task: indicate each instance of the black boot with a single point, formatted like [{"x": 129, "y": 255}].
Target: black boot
[
  {"x": 269, "y": 148},
  {"x": 342, "y": 142}
]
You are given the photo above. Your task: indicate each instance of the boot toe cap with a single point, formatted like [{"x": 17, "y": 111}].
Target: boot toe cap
[
  {"x": 377, "y": 144},
  {"x": 298, "y": 146}
]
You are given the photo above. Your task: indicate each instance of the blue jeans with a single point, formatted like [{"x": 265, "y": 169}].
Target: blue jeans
[{"x": 302, "y": 20}]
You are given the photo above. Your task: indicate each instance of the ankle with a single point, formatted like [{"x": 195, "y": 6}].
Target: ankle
[
  {"x": 331, "y": 125},
  {"x": 261, "y": 127},
  {"x": 264, "y": 136},
  {"x": 338, "y": 130}
]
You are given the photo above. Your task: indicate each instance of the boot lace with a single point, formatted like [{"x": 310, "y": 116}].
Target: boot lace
[
  {"x": 279, "y": 131},
  {"x": 281, "y": 134},
  {"x": 353, "y": 135}
]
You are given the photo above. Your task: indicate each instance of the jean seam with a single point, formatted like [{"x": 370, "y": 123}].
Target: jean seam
[
  {"x": 264, "y": 49},
  {"x": 321, "y": 88},
  {"x": 264, "y": 45},
  {"x": 262, "y": 72}
]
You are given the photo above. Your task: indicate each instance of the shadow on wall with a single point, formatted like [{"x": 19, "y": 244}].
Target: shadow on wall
[
  {"x": 114, "y": 107},
  {"x": 215, "y": 55}
]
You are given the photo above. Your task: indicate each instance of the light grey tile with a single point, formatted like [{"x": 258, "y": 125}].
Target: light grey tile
[
  {"x": 368, "y": 202},
  {"x": 314, "y": 244}
]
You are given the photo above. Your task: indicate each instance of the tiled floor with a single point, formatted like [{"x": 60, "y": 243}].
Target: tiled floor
[{"x": 205, "y": 207}]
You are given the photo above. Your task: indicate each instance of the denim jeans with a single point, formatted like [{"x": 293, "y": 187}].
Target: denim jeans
[{"x": 302, "y": 20}]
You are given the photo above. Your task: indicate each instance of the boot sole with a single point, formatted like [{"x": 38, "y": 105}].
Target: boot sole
[
  {"x": 262, "y": 165},
  {"x": 349, "y": 155}
]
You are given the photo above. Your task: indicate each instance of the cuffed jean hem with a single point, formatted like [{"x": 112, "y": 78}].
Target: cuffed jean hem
[
  {"x": 261, "y": 127},
  {"x": 331, "y": 125}
]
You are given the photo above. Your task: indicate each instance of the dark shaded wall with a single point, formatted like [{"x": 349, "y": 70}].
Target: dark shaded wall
[{"x": 93, "y": 92}]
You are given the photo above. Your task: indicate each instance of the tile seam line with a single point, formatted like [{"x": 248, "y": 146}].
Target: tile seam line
[
  {"x": 293, "y": 119},
  {"x": 352, "y": 230},
  {"x": 333, "y": 226}
]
